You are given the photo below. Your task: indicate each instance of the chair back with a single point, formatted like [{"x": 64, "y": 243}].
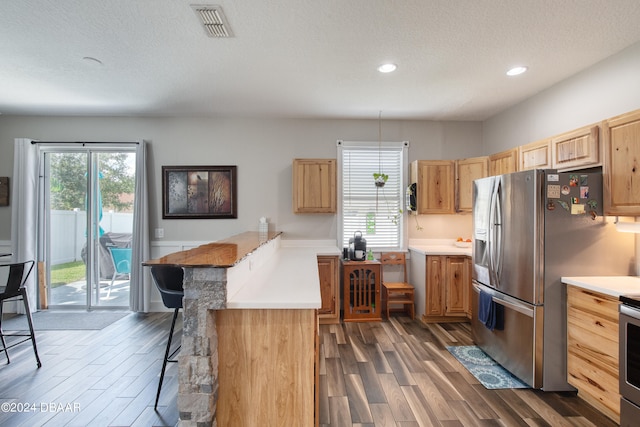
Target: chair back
[
  {"x": 121, "y": 259},
  {"x": 168, "y": 280},
  {"x": 394, "y": 258},
  {"x": 18, "y": 273}
]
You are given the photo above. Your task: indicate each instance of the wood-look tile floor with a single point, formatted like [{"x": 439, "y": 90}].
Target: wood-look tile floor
[
  {"x": 105, "y": 377},
  {"x": 399, "y": 373},
  {"x": 391, "y": 373}
]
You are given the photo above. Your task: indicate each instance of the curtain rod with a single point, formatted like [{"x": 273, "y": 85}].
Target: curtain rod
[{"x": 84, "y": 142}]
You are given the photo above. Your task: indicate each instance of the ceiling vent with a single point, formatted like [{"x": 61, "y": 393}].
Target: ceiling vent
[{"x": 213, "y": 20}]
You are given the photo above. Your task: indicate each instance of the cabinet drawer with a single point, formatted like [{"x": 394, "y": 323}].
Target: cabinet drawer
[{"x": 596, "y": 304}]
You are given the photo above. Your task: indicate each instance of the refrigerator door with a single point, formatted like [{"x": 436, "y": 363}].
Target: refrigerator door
[
  {"x": 518, "y": 346},
  {"x": 508, "y": 245},
  {"x": 482, "y": 198},
  {"x": 518, "y": 272}
]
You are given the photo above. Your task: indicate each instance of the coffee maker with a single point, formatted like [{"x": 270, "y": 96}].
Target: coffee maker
[{"x": 357, "y": 247}]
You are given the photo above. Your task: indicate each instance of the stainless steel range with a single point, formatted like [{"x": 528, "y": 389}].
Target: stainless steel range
[{"x": 629, "y": 360}]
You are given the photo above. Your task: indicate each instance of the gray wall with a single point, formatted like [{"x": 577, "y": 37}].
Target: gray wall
[
  {"x": 607, "y": 89},
  {"x": 262, "y": 150}
]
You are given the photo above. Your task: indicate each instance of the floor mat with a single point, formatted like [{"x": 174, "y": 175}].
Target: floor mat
[
  {"x": 484, "y": 368},
  {"x": 62, "y": 320}
]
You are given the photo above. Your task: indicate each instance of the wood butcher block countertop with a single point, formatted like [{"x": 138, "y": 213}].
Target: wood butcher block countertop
[{"x": 223, "y": 253}]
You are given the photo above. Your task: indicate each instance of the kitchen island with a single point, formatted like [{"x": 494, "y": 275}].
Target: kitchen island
[{"x": 250, "y": 331}]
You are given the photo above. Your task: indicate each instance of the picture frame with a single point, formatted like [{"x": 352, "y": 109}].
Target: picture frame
[{"x": 199, "y": 192}]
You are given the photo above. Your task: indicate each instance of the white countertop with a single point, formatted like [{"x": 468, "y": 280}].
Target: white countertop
[
  {"x": 285, "y": 278},
  {"x": 608, "y": 285},
  {"x": 440, "y": 249}
]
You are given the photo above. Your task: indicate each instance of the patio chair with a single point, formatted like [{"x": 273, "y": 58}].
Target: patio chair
[
  {"x": 17, "y": 274},
  {"x": 121, "y": 258}
]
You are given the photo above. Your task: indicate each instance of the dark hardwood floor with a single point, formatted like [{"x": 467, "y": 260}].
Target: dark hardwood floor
[
  {"x": 399, "y": 373},
  {"x": 391, "y": 373},
  {"x": 107, "y": 377}
]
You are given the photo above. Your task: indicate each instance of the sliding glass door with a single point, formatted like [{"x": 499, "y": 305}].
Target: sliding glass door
[{"x": 86, "y": 227}]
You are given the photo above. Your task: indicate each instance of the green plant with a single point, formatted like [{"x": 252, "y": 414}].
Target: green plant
[{"x": 380, "y": 179}]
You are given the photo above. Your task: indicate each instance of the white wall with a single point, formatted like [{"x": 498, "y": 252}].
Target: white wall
[
  {"x": 607, "y": 89},
  {"x": 262, "y": 150}
]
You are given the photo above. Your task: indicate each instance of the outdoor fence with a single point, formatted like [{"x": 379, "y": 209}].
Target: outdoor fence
[{"x": 69, "y": 232}]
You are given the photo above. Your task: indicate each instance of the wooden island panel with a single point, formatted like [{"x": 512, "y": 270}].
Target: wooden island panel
[{"x": 266, "y": 367}]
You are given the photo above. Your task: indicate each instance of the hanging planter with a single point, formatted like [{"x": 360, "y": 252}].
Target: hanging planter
[{"x": 380, "y": 179}]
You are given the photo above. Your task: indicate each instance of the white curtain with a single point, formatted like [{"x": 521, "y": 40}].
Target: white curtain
[
  {"x": 140, "y": 276},
  {"x": 24, "y": 212}
]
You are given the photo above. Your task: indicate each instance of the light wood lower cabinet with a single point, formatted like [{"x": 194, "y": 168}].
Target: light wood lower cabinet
[
  {"x": 266, "y": 371},
  {"x": 447, "y": 288},
  {"x": 329, "y": 271},
  {"x": 592, "y": 348}
]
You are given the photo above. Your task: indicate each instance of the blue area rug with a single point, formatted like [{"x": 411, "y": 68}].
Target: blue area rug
[{"x": 484, "y": 368}]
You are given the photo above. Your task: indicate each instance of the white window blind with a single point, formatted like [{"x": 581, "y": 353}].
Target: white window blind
[{"x": 377, "y": 212}]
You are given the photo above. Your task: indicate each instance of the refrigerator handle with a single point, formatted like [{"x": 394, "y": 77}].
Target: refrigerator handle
[
  {"x": 491, "y": 234},
  {"x": 497, "y": 235}
]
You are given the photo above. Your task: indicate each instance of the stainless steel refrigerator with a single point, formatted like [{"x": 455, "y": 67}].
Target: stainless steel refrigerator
[{"x": 530, "y": 229}]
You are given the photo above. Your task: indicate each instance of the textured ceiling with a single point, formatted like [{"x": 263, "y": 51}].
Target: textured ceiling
[{"x": 299, "y": 58}]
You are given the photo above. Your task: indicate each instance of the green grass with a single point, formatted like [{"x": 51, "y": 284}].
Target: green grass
[{"x": 62, "y": 274}]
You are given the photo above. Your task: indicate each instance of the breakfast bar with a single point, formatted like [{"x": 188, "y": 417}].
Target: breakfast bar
[{"x": 250, "y": 332}]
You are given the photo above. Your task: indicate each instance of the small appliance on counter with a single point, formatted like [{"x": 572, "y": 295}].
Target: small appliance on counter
[{"x": 357, "y": 247}]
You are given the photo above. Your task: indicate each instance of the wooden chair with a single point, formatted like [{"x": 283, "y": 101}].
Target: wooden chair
[{"x": 397, "y": 293}]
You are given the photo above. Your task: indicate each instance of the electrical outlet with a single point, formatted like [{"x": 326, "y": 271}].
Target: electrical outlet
[{"x": 159, "y": 232}]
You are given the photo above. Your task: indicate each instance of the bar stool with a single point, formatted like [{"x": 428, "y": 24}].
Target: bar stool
[
  {"x": 168, "y": 280},
  {"x": 398, "y": 293},
  {"x": 17, "y": 275}
]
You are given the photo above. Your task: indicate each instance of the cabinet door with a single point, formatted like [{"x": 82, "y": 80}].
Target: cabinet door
[
  {"x": 621, "y": 170},
  {"x": 435, "y": 186},
  {"x": 328, "y": 271},
  {"x": 536, "y": 155},
  {"x": 503, "y": 162},
  {"x": 456, "y": 286},
  {"x": 576, "y": 149},
  {"x": 314, "y": 186},
  {"x": 466, "y": 171},
  {"x": 361, "y": 283},
  {"x": 433, "y": 291}
]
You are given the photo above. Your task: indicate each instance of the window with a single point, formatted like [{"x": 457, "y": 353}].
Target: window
[{"x": 377, "y": 212}]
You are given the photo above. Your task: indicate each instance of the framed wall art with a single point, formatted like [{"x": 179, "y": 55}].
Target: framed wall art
[{"x": 199, "y": 192}]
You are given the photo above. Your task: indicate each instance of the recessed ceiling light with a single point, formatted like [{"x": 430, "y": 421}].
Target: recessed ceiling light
[
  {"x": 387, "y": 68},
  {"x": 516, "y": 71}
]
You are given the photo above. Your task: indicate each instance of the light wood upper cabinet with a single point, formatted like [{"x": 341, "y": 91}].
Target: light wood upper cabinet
[
  {"x": 535, "y": 155},
  {"x": 467, "y": 170},
  {"x": 435, "y": 186},
  {"x": 503, "y": 162},
  {"x": 576, "y": 149},
  {"x": 621, "y": 136},
  {"x": 314, "y": 185}
]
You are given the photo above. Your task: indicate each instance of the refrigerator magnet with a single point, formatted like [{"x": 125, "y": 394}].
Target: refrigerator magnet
[
  {"x": 577, "y": 209},
  {"x": 564, "y": 205},
  {"x": 584, "y": 179},
  {"x": 553, "y": 191},
  {"x": 550, "y": 205},
  {"x": 584, "y": 192},
  {"x": 575, "y": 200},
  {"x": 565, "y": 190},
  {"x": 573, "y": 180}
]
